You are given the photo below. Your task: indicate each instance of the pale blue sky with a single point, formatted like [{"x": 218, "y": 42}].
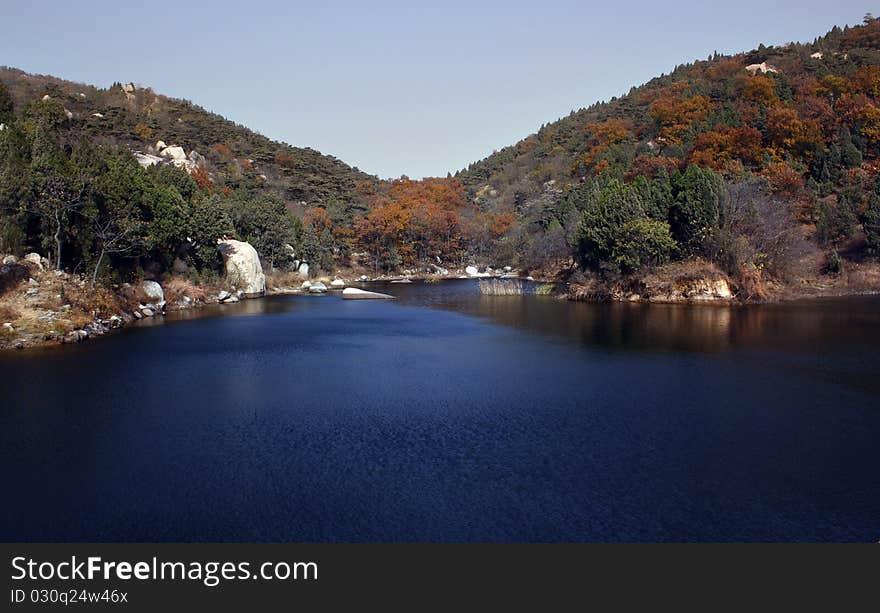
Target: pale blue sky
[{"x": 394, "y": 87}]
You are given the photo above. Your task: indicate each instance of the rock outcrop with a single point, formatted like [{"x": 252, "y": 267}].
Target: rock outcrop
[{"x": 243, "y": 269}]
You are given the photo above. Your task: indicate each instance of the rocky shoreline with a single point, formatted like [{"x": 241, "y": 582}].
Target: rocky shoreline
[{"x": 40, "y": 307}]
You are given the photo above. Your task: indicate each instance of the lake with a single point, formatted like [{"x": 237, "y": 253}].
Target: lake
[{"x": 451, "y": 416}]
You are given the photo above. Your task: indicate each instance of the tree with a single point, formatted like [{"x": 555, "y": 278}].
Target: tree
[
  {"x": 209, "y": 221},
  {"x": 699, "y": 208},
  {"x": 642, "y": 242},
  {"x": 871, "y": 221},
  {"x": 7, "y": 113},
  {"x": 58, "y": 187}
]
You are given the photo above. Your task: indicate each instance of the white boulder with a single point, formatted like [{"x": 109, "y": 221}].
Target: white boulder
[
  {"x": 303, "y": 270},
  {"x": 317, "y": 288},
  {"x": 353, "y": 293},
  {"x": 337, "y": 284},
  {"x": 9, "y": 259},
  {"x": 174, "y": 152},
  {"x": 243, "y": 268},
  {"x": 35, "y": 259},
  {"x": 471, "y": 271},
  {"x": 146, "y": 159},
  {"x": 763, "y": 68},
  {"x": 155, "y": 293}
]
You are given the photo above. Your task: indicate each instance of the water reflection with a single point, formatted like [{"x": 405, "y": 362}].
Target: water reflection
[{"x": 826, "y": 323}]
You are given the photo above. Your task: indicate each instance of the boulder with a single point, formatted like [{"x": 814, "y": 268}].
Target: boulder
[
  {"x": 337, "y": 284},
  {"x": 77, "y": 336},
  {"x": 243, "y": 268},
  {"x": 364, "y": 278},
  {"x": 232, "y": 299},
  {"x": 174, "y": 152},
  {"x": 9, "y": 259},
  {"x": 306, "y": 284},
  {"x": 223, "y": 295},
  {"x": 147, "y": 312},
  {"x": 196, "y": 157},
  {"x": 317, "y": 288},
  {"x": 471, "y": 271},
  {"x": 160, "y": 144},
  {"x": 154, "y": 292},
  {"x": 353, "y": 293},
  {"x": 146, "y": 159},
  {"x": 303, "y": 270},
  {"x": 34, "y": 258}
]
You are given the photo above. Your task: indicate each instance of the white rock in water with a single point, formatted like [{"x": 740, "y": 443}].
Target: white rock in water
[
  {"x": 231, "y": 300},
  {"x": 471, "y": 271},
  {"x": 174, "y": 152},
  {"x": 147, "y": 312},
  {"x": 34, "y": 258},
  {"x": 337, "y": 284},
  {"x": 402, "y": 281},
  {"x": 317, "y": 288},
  {"x": 154, "y": 292},
  {"x": 243, "y": 268},
  {"x": 365, "y": 278},
  {"x": 223, "y": 295},
  {"x": 353, "y": 293}
]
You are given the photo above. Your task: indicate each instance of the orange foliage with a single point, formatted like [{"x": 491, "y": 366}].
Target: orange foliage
[
  {"x": 677, "y": 115},
  {"x": 223, "y": 151},
  {"x": 283, "y": 158},
  {"x": 870, "y": 117},
  {"x": 602, "y": 134},
  {"x": 784, "y": 127},
  {"x": 650, "y": 165},
  {"x": 318, "y": 220},
  {"x": 422, "y": 220},
  {"x": 719, "y": 147},
  {"x": 784, "y": 179},
  {"x": 202, "y": 178},
  {"x": 867, "y": 80},
  {"x": 759, "y": 89}
]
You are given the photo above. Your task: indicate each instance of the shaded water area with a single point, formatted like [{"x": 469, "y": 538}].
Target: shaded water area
[{"x": 451, "y": 416}]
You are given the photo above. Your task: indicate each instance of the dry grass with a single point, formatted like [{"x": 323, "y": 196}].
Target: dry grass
[
  {"x": 283, "y": 278},
  {"x": 8, "y": 313},
  {"x": 176, "y": 288}
]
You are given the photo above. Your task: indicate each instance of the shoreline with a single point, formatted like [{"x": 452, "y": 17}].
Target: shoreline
[{"x": 60, "y": 323}]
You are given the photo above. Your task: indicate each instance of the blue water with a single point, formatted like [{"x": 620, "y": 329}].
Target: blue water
[{"x": 450, "y": 416}]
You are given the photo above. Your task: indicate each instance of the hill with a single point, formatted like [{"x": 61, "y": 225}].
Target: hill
[
  {"x": 138, "y": 118},
  {"x": 800, "y": 121}
]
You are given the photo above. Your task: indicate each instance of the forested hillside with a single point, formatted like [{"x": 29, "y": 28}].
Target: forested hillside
[
  {"x": 737, "y": 158},
  {"x": 763, "y": 164}
]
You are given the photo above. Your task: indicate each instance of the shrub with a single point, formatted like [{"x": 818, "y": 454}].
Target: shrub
[{"x": 642, "y": 242}]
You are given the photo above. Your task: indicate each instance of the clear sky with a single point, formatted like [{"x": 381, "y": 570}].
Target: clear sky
[{"x": 395, "y": 87}]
